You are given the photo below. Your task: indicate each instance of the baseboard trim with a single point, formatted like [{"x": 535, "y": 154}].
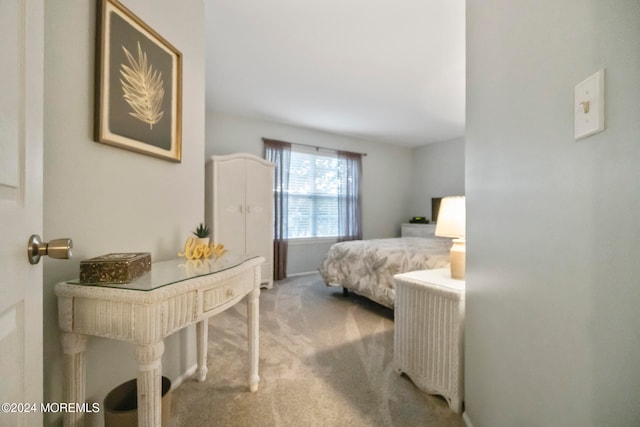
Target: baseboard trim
[
  {"x": 466, "y": 419},
  {"x": 307, "y": 273},
  {"x": 189, "y": 372}
]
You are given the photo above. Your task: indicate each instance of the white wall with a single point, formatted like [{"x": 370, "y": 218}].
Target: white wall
[
  {"x": 108, "y": 199},
  {"x": 437, "y": 171},
  {"x": 552, "y": 255},
  {"x": 386, "y": 173}
]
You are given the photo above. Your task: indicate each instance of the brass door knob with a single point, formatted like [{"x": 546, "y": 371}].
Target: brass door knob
[{"x": 57, "y": 248}]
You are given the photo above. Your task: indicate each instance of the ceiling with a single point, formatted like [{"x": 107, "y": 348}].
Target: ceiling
[{"x": 381, "y": 70}]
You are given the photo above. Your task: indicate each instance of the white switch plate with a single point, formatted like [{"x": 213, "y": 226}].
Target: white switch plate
[{"x": 589, "y": 106}]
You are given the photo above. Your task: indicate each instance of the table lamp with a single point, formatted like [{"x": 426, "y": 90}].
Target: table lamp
[{"x": 452, "y": 223}]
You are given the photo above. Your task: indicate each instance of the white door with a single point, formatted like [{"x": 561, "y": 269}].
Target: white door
[{"x": 21, "y": 131}]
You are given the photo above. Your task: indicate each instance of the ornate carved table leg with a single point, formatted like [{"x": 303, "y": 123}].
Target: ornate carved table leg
[
  {"x": 253, "y": 307},
  {"x": 202, "y": 334},
  {"x": 74, "y": 346},
  {"x": 149, "y": 384}
]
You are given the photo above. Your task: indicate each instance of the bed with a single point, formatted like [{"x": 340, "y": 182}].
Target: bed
[{"x": 366, "y": 267}]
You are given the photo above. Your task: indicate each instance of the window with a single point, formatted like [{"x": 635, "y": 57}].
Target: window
[
  {"x": 314, "y": 187},
  {"x": 316, "y": 195}
]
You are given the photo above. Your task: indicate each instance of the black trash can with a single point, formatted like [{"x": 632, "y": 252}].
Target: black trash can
[{"x": 121, "y": 405}]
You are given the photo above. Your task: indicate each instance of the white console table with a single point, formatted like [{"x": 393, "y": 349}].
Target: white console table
[
  {"x": 174, "y": 294},
  {"x": 428, "y": 332}
]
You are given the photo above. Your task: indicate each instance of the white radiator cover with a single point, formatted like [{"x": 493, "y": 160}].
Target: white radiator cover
[{"x": 429, "y": 332}]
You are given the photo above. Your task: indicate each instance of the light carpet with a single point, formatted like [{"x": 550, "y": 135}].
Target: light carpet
[{"x": 325, "y": 360}]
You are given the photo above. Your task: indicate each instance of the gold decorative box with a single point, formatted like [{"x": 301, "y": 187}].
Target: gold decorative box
[{"x": 115, "y": 268}]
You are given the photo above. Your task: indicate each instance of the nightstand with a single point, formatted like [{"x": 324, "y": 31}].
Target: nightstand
[
  {"x": 417, "y": 230},
  {"x": 429, "y": 332}
]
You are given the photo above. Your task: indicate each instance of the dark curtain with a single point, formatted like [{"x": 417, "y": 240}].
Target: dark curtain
[
  {"x": 279, "y": 152},
  {"x": 350, "y": 200}
]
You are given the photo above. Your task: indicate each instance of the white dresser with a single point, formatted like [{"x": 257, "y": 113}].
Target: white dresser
[
  {"x": 417, "y": 230},
  {"x": 428, "y": 334},
  {"x": 239, "y": 206}
]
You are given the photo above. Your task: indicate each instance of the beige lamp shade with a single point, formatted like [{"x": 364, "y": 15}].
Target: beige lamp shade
[
  {"x": 452, "y": 223},
  {"x": 452, "y": 218}
]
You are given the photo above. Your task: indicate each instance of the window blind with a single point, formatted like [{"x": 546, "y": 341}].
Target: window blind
[{"x": 313, "y": 194}]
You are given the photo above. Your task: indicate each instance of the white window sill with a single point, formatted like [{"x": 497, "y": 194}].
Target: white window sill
[{"x": 311, "y": 240}]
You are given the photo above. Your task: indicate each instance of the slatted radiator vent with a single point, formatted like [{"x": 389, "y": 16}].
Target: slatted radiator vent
[{"x": 429, "y": 335}]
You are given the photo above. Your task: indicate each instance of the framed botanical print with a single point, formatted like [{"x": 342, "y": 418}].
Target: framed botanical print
[{"x": 138, "y": 85}]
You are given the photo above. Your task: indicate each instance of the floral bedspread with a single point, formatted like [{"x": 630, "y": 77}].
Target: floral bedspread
[{"x": 367, "y": 266}]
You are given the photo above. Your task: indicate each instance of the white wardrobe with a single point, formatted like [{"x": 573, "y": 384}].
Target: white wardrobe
[{"x": 239, "y": 206}]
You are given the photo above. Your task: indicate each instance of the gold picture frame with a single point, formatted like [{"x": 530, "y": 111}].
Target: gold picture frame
[{"x": 138, "y": 85}]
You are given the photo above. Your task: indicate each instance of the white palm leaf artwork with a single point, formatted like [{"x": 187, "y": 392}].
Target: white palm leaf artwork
[{"x": 143, "y": 88}]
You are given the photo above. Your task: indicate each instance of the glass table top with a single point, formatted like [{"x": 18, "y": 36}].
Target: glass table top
[{"x": 176, "y": 270}]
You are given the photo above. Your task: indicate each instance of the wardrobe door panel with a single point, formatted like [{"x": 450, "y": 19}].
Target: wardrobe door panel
[
  {"x": 229, "y": 205},
  {"x": 259, "y": 214}
]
